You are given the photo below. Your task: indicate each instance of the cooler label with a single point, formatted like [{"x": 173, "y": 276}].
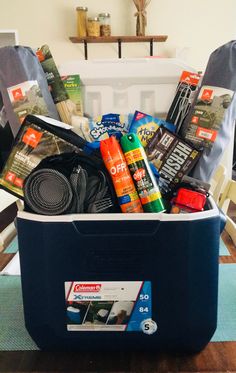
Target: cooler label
[{"x": 109, "y": 306}]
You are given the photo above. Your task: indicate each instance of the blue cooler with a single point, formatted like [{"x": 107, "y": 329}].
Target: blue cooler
[{"x": 120, "y": 281}]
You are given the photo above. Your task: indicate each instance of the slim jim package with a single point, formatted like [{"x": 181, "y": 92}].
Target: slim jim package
[{"x": 172, "y": 156}]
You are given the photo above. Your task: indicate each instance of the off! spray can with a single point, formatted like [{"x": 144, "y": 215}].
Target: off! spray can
[
  {"x": 144, "y": 180},
  {"x": 115, "y": 163}
]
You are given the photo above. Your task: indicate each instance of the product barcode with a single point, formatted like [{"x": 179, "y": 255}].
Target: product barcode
[{"x": 205, "y": 135}]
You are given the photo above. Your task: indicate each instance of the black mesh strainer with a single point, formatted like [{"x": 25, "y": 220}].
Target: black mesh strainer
[
  {"x": 48, "y": 192},
  {"x": 69, "y": 183}
]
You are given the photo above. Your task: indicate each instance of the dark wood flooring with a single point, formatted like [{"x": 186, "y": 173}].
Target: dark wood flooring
[{"x": 216, "y": 357}]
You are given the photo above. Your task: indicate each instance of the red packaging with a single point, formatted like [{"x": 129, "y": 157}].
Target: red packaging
[{"x": 191, "y": 199}]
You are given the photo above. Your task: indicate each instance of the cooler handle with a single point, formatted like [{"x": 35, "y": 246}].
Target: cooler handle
[{"x": 117, "y": 228}]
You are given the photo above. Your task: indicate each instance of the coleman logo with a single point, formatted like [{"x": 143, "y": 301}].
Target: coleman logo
[
  {"x": 87, "y": 288},
  {"x": 139, "y": 174},
  {"x": 175, "y": 161}
]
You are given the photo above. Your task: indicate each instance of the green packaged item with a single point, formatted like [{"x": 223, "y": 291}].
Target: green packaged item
[
  {"x": 141, "y": 173},
  {"x": 55, "y": 83},
  {"x": 72, "y": 85}
]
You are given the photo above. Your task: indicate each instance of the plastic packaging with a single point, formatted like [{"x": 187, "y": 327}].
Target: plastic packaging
[
  {"x": 172, "y": 156},
  {"x": 105, "y": 26},
  {"x": 81, "y": 21},
  {"x": 144, "y": 180},
  {"x": 36, "y": 140},
  {"x": 190, "y": 198},
  {"x": 114, "y": 160},
  {"x": 145, "y": 126}
]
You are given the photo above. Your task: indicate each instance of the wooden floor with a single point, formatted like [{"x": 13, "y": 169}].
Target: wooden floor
[{"x": 216, "y": 357}]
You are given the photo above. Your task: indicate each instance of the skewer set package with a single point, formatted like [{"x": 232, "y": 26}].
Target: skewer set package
[
  {"x": 57, "y": 89},
  {"x": 183, "y": 98}
]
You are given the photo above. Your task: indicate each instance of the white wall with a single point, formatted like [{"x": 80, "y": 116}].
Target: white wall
[{"x": 199, "y": 25}]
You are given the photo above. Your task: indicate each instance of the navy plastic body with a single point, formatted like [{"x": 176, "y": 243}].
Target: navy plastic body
[{"x": 180, "y": 258}]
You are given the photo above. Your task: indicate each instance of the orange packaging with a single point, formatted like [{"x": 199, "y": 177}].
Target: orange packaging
[{"x": 116, "y": 165}]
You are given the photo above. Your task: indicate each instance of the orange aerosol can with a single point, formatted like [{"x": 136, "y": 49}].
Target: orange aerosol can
[{"x": 116, "y": 165}]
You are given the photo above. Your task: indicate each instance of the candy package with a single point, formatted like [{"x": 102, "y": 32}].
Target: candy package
[{"x": 172, "y": 156}]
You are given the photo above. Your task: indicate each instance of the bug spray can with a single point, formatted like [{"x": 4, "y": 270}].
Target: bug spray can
[
  {"x": 115, "y": 163},
  {"x": 140, "y": 170}
]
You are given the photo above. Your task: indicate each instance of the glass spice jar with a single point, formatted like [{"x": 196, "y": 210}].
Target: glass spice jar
[
  {"x": 81, "y": 21},
  {"x": 93, "y": 27},
  {"x": 105, "y": 24}
]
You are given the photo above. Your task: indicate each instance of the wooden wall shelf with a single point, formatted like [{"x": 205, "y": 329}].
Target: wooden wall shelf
[{"x": 118, "y": 39}]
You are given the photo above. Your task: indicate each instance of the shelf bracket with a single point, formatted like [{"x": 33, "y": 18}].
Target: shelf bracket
[
  {"x": 85, "y": 49},
  {"x": 151, "y": 47},
  {"x": 119, "y": 48}
]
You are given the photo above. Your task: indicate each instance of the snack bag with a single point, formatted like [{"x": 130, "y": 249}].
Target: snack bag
[
  {"x": 100, "y": 128},
  {"x": 144, "y": 126}
]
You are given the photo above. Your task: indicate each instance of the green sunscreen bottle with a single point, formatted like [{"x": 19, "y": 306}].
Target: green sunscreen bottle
[{"x": 141, "y": 173}]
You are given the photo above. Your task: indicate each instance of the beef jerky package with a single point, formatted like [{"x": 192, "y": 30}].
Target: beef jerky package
[
  {"x": 36, "y": 140},
  {"x": 172, "y": 157},
  {"x": 19, "y": 65},
  {"x": 220, "y": 73},
  {"x": 184, "y": 94}
]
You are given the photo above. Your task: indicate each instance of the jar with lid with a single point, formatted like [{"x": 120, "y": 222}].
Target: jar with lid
[
  {"x": 93, "y": 27},
  {"x": 105, "y": 25},
  {"x": 81, "y": 21}
]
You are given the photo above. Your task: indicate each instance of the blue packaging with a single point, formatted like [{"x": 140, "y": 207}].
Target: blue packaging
[{"x": 144, "y": 126}]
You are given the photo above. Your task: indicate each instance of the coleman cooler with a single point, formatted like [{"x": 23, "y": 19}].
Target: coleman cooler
[{"x": 120, "y": 281}]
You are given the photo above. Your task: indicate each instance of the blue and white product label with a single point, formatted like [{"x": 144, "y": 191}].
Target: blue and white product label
[{"x": 109, "y": 306}]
